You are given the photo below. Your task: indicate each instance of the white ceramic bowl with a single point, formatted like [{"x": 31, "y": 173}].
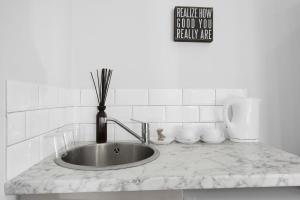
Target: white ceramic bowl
[
  {"x": 187, "y": 140},
  {"x": 188, "y": 135},
  {"x": 213, "y": 135}
]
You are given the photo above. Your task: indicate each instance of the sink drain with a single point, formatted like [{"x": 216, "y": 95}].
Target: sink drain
[{"x": 117, "y": 150}]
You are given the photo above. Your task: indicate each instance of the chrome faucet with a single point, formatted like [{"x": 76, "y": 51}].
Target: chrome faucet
[{"x": 145, "y": 138}]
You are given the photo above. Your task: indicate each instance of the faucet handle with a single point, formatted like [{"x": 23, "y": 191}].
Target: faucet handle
[
  {"x": 145, "y": 131},
  {"x": 139, "y": 121}
]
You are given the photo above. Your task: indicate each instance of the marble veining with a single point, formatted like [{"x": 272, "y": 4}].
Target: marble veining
[{"x": 179, "y": 166}]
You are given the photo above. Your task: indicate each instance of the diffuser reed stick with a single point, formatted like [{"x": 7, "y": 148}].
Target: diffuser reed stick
[{"x": 102, "y": 86}]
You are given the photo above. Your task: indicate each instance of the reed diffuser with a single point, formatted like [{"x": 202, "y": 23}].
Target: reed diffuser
[{"x": 101, "y": 89}]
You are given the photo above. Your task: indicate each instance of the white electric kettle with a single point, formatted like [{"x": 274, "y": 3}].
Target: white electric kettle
[{"x": 244, "y": 125}]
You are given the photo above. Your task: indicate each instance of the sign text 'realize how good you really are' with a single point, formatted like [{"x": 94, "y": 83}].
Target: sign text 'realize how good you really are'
[{"x": 193, "y": 24}]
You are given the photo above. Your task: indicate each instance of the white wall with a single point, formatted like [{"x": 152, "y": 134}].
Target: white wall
[
  {"x": 255, "y": 46},
  {"x": 136, "y": 38},
  {"x": 280, "y": 32},
  {"x": 34, "y": 46}
]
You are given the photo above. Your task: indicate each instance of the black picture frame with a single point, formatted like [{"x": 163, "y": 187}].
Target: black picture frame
[{"x": 193, "y": 24}]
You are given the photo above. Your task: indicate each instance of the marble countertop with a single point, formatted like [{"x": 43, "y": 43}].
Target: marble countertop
[{"x": 197, "y": 166}]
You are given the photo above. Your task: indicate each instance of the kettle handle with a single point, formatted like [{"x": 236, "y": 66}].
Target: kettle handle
[{"x": 227, "y": 105}]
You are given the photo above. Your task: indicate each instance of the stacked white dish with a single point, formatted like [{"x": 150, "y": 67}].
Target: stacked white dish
[
  {"x": 188, "y": 135},
  {"x": 212, "y": 135},
  {"x": 191, "y": 135}
]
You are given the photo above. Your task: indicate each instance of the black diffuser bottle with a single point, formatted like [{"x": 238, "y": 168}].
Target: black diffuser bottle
[
  {"x": 101, "y": 125},
  {"x": 101, "y": 92}
]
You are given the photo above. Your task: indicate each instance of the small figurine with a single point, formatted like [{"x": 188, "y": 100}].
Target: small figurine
[{"x": 160, "y": 135}]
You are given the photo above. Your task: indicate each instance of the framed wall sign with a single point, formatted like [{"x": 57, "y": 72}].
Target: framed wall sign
[{"x": 193, "y": 24}]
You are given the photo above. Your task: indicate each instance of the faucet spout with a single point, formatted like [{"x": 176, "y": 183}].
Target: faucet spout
[{"x": 145, "y": 138}]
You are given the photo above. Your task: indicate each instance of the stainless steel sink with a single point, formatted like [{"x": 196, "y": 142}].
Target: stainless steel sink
[{"x": 107, "y": 156}]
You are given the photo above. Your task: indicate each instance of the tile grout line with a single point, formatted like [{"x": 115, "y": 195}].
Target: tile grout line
[
  {"x": 115, "y": 96},
  {"x": 26, "y": 134},
  {"x": 181, "y": 96},
  {"x": 38, "y": 95},
  {"x": 164, "y": 113},
  {"x": 199, "y": 114},
  {"x": 44, "y": 133},
  {"x": 6, "y": 130},
  {"x": 148, "y": 93},
  {"x": 131, "y": 112},
  {"x": 44, "y": 108},
  {"x": 80, "y": 98}
]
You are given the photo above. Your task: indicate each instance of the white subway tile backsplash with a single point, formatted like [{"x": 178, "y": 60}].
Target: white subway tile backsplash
[
  {"x": 87, "y": 114},
  {"x": 16, "y": 128},
  {"x": 71, "y": 115},
  {"x": 219, "y": 113},
  {"x": 223, "y": 94},
  {"x": 211, "y": 113},
  {"x": 190, "y": 114},
  {"x": 149, "y": 113},
  {"x": 122, "y": 113},
  {"x": 64, "y": 97},
  {"x": 131, "y": 97},
  {"x": 34, "y": 110},
  {"x": 199, "y": 96},
  {"x": 75, "y": 111},
  {"x": 48, "y": 96},
  {"x": 56, "y": 118},
  {"x": 46, "y": 145},
  {"x": 182, "y": 114},
  {"x": 88, "y": 97},
  {"x": 21, "y": 96},
  {"x": 34, "y": 151},
  {"x": 18, "y": 152},
  {"x": 37, "y": 122},
  {"x": 87, "y": 132},
  {"x": 25, "y": 153},
  {"x": 75, "y": 97},
  {"x": 165, "y": 96}
]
